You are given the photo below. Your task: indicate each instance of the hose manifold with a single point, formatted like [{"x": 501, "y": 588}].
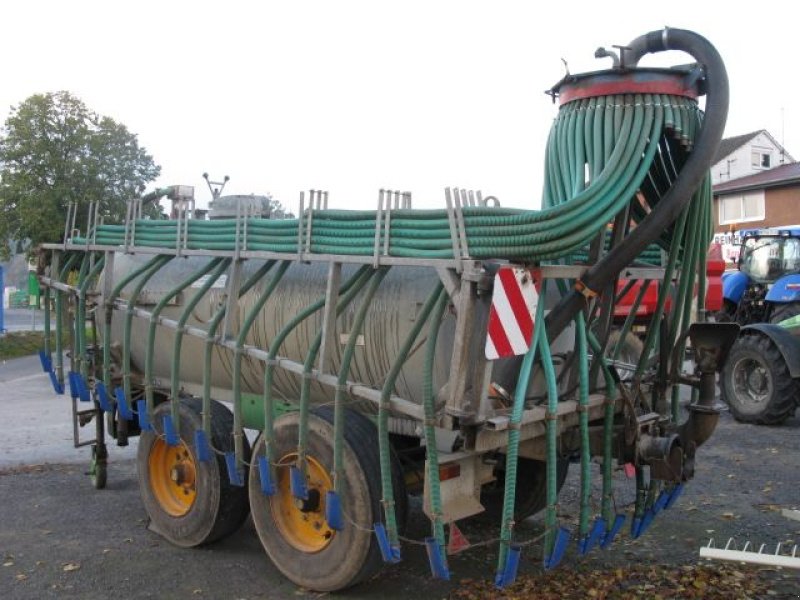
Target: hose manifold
[{"x": 664, "y": 456}]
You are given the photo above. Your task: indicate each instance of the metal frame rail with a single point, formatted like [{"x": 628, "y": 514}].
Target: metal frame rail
[{"x": 463, "y": 279}]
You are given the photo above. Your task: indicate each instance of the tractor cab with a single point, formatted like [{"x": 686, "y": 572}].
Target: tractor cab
[
  {"x": 768, "y": 277},
  {"x": 767, "y": 258}
]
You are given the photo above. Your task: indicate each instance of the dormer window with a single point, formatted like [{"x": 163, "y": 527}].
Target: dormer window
[{"x": 762, "y": 159}]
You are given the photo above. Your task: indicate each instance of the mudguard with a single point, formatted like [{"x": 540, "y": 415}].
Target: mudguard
[
  {"x": 787, "y": 344},
  {"x": 733, "y": 286},
  {"x": 785, "y": 289}
]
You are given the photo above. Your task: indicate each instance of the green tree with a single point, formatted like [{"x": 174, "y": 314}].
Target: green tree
[{"x": 54, "y": 151}]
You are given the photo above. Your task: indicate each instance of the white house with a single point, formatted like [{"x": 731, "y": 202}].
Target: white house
[{"x": 747, "y": 154}]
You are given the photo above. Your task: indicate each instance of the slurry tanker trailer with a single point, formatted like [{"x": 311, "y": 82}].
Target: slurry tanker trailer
[{"x": 459, "y": 354}]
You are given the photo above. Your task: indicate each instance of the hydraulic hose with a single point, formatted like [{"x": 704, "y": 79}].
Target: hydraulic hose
[
  {"x": 238, "y": 431},
  {"x": 692, "y": 173},
  {"x": 429, "y": 405},
  {"x": 383, "y": 413},
  {"x": 211, "y": 334},
  {"x": 308, "y": 364},
  {"x": 275, "y": 345},
  {"x": 149, "y": 355}
]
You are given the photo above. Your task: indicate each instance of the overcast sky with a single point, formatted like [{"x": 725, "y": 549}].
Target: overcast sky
[{"x": 353, "y": 96}]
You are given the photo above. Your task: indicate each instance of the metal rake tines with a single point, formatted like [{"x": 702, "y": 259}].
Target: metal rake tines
[{"x": 748, "y": 554}]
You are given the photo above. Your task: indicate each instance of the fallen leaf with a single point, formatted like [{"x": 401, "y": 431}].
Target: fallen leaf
[
  {"x": 72, "y": 566},
  {"x": 8, "y": 563},
  {"x": 21, "y": 577}
]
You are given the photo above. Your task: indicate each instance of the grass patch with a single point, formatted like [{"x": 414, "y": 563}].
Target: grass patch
[{"x": 23, "y": 343}]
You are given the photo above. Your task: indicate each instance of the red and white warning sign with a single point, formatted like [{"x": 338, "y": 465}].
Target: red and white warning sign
[{"x": 514, "y": 300}]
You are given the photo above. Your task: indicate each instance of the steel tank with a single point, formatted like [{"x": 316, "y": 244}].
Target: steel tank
[{"x": 392, "y": 313}]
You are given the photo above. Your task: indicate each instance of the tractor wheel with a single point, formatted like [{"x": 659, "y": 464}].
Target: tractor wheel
[
  {"x": 755, "y": 382},
  {"x": 629, "y": 354},
  {"x": 781, "y": 312},
  {"x": 294, "y": 532},
  {"x": 531, "y": 494},
  {"x": 190, "y": 502}
]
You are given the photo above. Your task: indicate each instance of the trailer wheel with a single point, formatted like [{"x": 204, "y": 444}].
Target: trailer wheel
[
  {"x": 190, "y": 502},
  {"x": 755, "y": 382},
  {"x": 531, "y": 494},
  {"x": 294, "y": 533}
]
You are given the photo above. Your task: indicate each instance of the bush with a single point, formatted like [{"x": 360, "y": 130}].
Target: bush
[{"x": 23, "y": 343}]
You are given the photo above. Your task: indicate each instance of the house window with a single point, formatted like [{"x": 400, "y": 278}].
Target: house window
[
  {"x": 762, "y": 159},
  {"x": 743, "y": 208}
]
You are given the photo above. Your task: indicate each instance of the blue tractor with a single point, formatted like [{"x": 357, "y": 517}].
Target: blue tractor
[{"x": 761, "y": 378}]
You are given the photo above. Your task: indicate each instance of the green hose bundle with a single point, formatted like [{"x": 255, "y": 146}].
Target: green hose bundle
[{"x": 601, "y": 152}]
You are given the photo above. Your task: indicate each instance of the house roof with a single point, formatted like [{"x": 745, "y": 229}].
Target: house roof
[
  {"x": 728, "y": 145},
  {"x": 782, "y": 175}
]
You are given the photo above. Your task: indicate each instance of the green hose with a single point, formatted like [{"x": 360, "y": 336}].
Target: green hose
[
  {"x": 608, "y": 431},
  {"x": 149, "y": 355},
  {"x": 210, "y": 340},
  {"x": 181, "y": 328},
  {"x": 551, "y": 432},
  {"x": 311, "y": 355},
  {"x": 344, "y": 369},
  {"x": 512, "y": 449},
  {"x": 247, "y": 324},
  {"x": 583, "y": 401},
  {"x": 429, "y": 405},
  {"x": 79, "y": 329},
  {"x": 574, "y": 211},
  {"x": 109, "y": 312},
  {"x": 126, "y": 335},
  {"x": 383, "y": 416},
  {"x": 83, "y": 288},
  {"x": 275, "y": 345}
]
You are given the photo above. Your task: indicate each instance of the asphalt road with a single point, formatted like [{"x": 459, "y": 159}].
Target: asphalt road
[{"x": 60, "y": 538}]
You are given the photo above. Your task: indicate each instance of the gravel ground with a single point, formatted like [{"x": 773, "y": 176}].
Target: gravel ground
[{"x": 60, "y": 538}]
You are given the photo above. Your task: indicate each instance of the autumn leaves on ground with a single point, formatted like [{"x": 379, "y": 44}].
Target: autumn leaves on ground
[{"x": 706, "y": 582}]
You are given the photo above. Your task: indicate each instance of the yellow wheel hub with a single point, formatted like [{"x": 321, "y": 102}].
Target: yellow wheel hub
[
  {"x": 172, "y": 477},
  {"x": 302, "y": 522}
]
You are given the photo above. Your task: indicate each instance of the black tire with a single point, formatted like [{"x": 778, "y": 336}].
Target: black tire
[
  {"x": 339, "y": 559},
  {"x": 629, "y": 354},
  {"x": 218, "y": 508},
  {"x": 755, "y": 382},
  {"x": 781, "y": 312},
  {"x": 531, "y": 494}
]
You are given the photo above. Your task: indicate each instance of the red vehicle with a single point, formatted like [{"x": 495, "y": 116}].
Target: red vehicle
[
  {"x": 647, "y": 307},
  {"x": 626, "y": 353}
]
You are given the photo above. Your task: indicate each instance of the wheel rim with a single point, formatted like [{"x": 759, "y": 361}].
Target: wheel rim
[
  {"x": 752, "y": 381},
  {"x": 302, "y": 522},
  {"x": 173, "y": 477}
]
